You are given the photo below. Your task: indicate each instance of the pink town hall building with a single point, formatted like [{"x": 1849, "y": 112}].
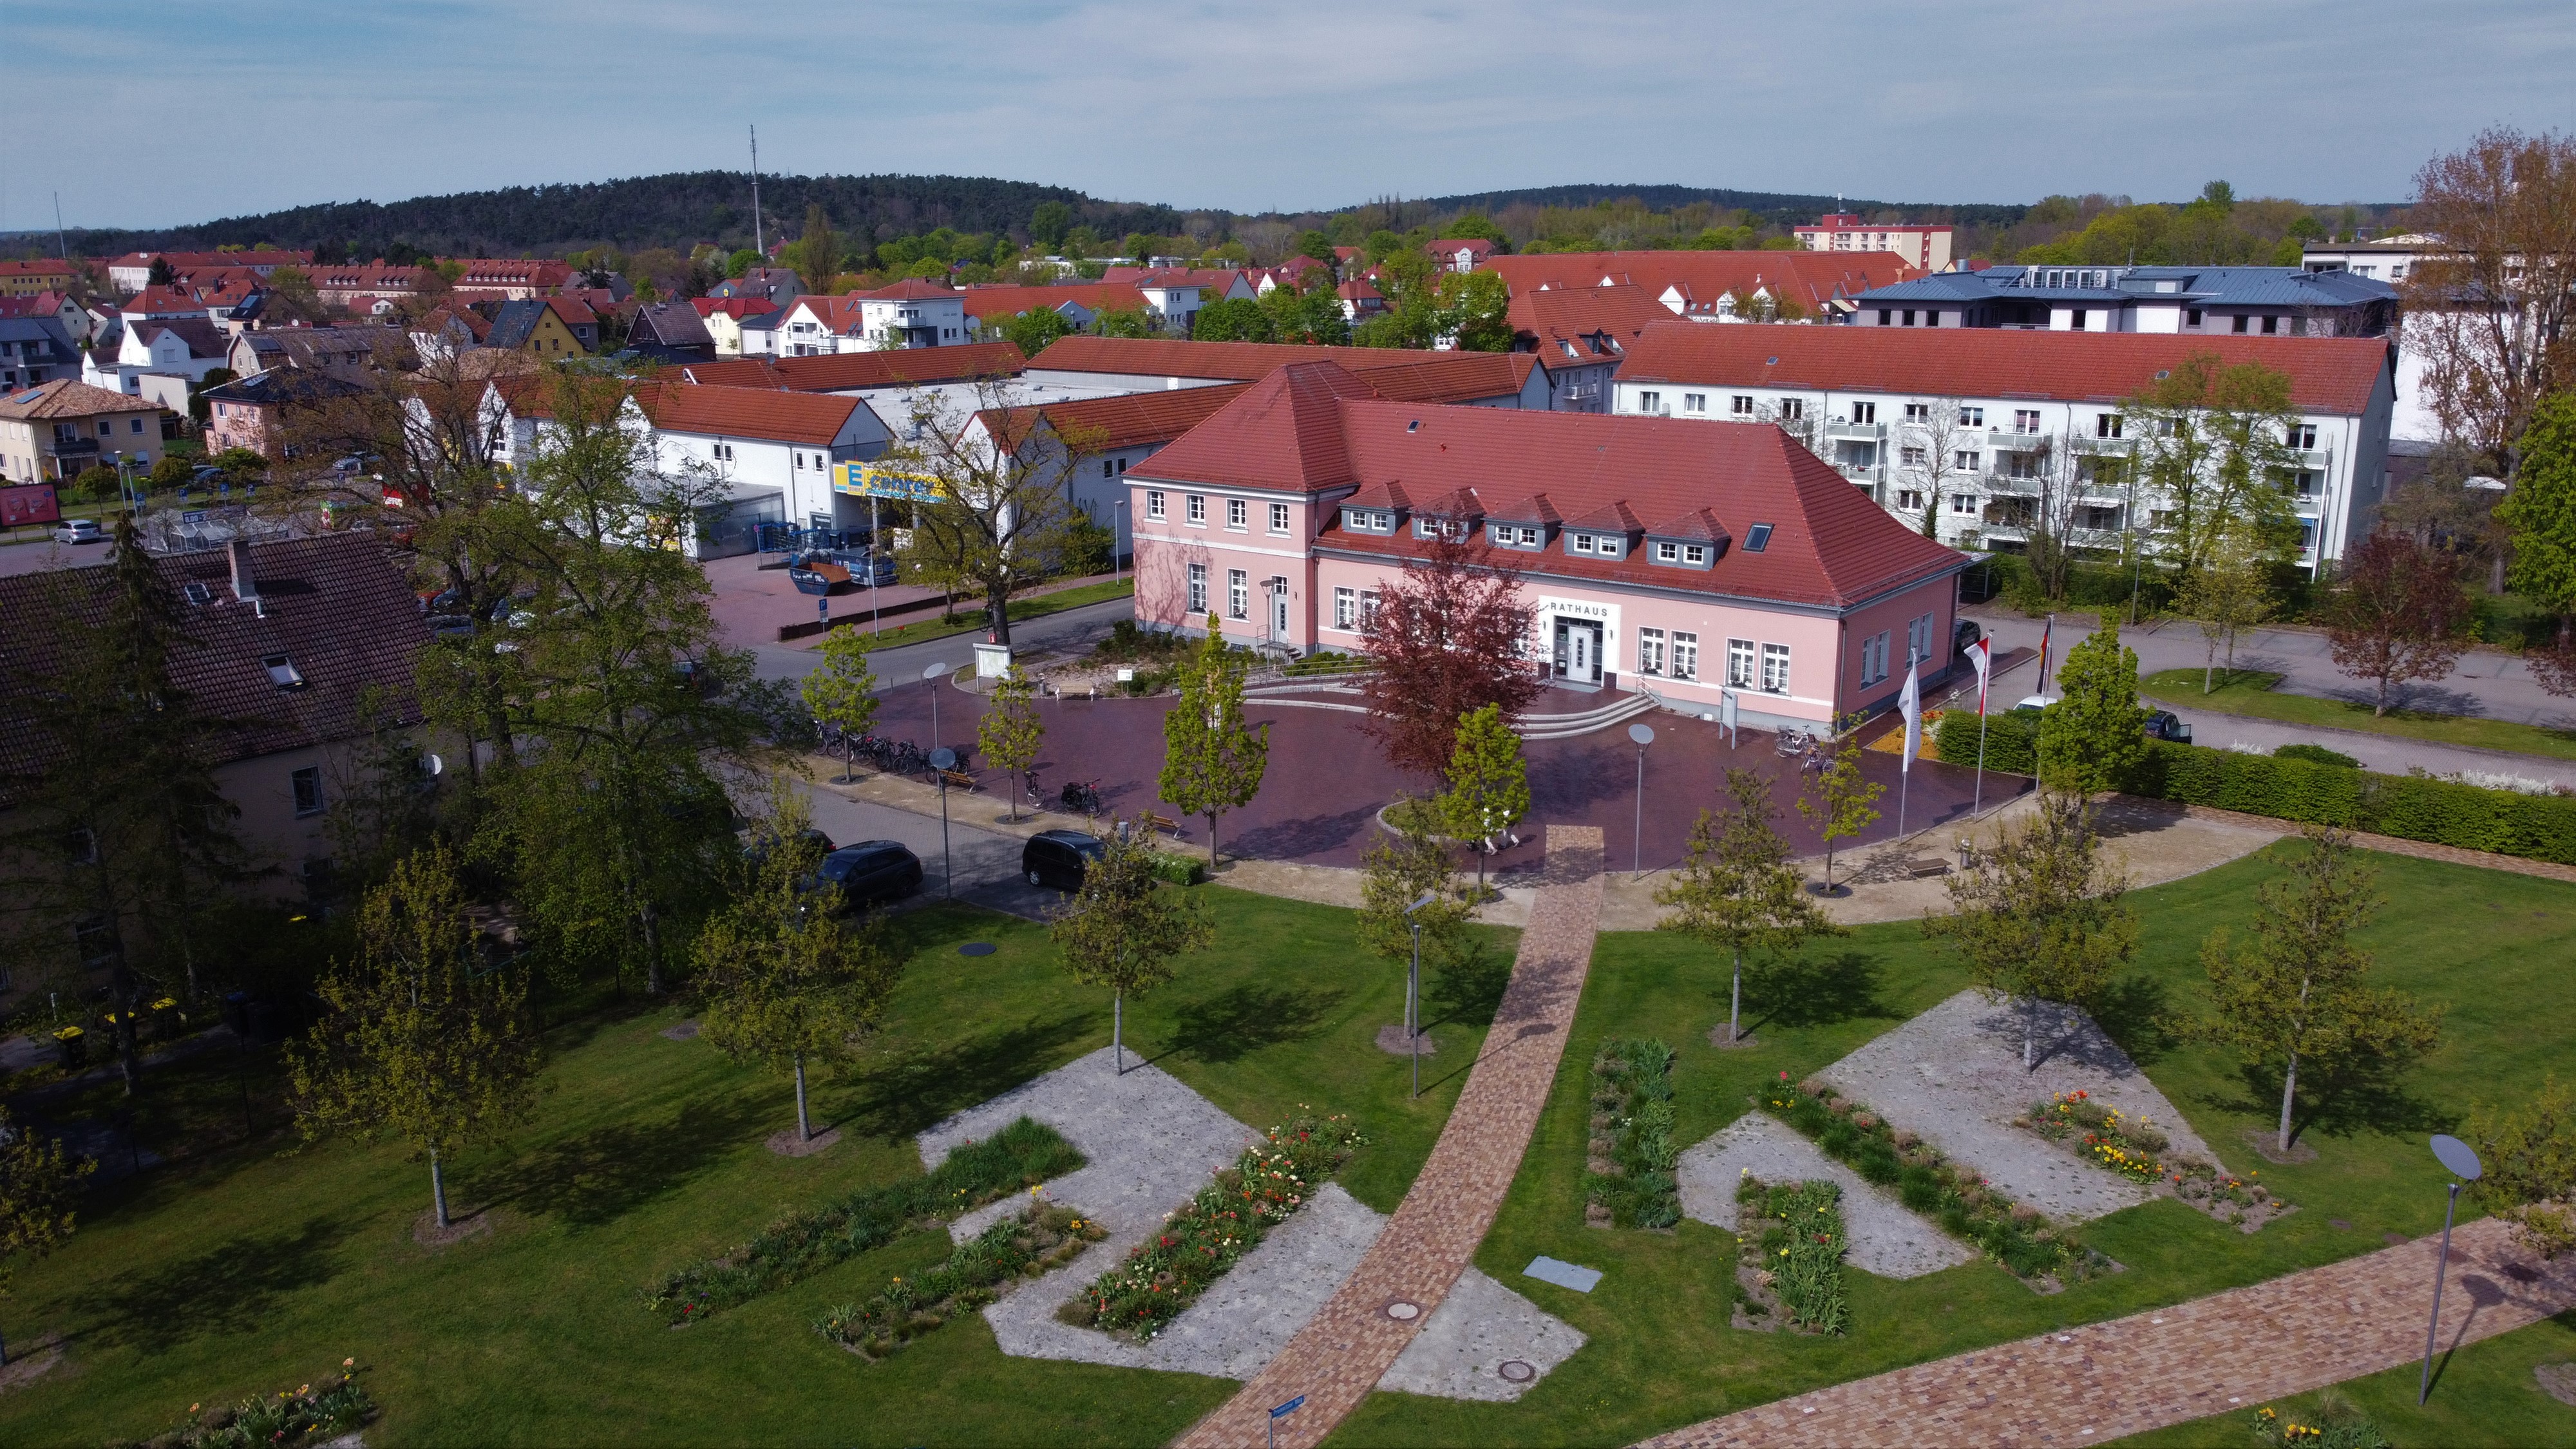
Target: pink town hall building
[{"x": 1695, "y": 563}]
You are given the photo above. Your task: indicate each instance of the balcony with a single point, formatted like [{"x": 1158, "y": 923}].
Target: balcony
[
  {"x": 1867, "y": 475},
  {"x": 2114, "y": 447},
  {"x": 2013, "y": 487},
  {"x": 1840, "y": 431},
  {"x": 2004, "y": 440},
  {"x": 72, "y": 447}
]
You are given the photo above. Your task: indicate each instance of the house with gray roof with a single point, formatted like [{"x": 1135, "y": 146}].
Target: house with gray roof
[
  {"x": 34, "y": 350},
  {"x": 670, "y": 332},
  {"x": 2202, "y": 301}
]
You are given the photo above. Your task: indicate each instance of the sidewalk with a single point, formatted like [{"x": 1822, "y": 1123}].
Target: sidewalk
[{"x": 2232, "y": 1350}]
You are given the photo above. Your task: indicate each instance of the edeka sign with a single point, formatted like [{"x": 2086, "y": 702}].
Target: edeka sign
[{"x": 866, "y": 480}]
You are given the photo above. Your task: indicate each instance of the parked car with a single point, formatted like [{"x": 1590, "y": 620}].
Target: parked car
[
  {"x": 2034, "y": 703},
  {"x": 79, "y": 530},
  {"x": 1060, "y": 858},
  {"x": 2164, "y": 724},
  {"x": 756, "y": 846},
  {"x": 868, "y": 872},
  {"x": 1965, "y": 637},
  {"x": 866, "y": 570}
]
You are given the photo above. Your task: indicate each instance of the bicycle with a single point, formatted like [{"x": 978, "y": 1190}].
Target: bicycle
[
  {"x": 1036, "y": 796},
  {"x": 1081, "y": 797}
]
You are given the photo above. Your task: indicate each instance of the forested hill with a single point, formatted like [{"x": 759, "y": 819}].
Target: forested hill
[
  {"x": 676, "y": 210},
  {"x": 1783, "y": 208}
]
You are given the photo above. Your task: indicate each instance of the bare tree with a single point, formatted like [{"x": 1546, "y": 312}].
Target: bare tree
[
  {"x": 1927, "y": 451},
  {"x": 2050, "y": 471},
  {"x": 2489, "y": 311},
  {"x": 994, "y": 514},
  {"x": 2212, "y": 446}
]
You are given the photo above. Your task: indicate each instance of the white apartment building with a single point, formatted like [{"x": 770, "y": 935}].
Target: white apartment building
[
  {"x": 1927, "y": 247},
  {"x": 1972, "y": 423}
]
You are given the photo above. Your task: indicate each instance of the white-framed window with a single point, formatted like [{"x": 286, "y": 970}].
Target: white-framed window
[
  {"x": 1739, "y": 663},
  {"x": 1346, "y": 608},
  {"x": 1279, "y": 518},
  {"x": 1685, "y": 655},
  {"x": 1740, "y": 405},
  {"x": 1198, "y": 588},
  {"x": 2303, "y": 436},
  {"x": 1918, "y": 412},
  {"x": 2106, "y": 425},
  {"x": 1963, "y": 503},
  {"x": 1368, "y": 606},
  {"x": 1775, "y": 668},
  {"x": 1578, "y": 543},
  {"x": 1967, "y": 460},
  {"x": 1912, "y": 457},
  {"x": 1649, "y": 401},
  {"x": 2025, "y": 420},
  {"x": 1194, "y": 509},
  {"x": 1793, "y": 408},
  {"x": 1864, "y": 413},
  {"x": 1238, "y": 594},
  {"x": 1236, "y": 510},
  {"x": 1650, "y": 651},
  {"x": 1694, "y": 402},
  {"x": 1972, "y": 417},
  {"x": 1154, "y": 503},
  {"x": 307, "y": 784},
  {"x": 1908, "y": 498}
]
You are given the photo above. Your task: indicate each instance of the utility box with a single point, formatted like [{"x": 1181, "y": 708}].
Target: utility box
[{"x": 992, "y": 661}]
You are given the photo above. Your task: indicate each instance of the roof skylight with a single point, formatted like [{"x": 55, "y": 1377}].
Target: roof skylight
[{"x": 1757, "y": 538}]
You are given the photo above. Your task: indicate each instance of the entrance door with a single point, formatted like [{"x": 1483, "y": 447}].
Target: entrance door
[{"x": 1578, "y": 651}]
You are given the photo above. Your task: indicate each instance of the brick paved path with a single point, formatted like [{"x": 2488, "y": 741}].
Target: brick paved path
[
  {"x": 1338, "y": 1357},
  {"x": 2230, "y": 1350}
]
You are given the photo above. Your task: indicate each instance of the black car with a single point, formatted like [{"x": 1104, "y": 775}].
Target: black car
[
  {"x": 1059, "y": 858},
  {"x": 1965, "y": 637},
  {"x": 870, "y": 871},
  {"x": 757, "y": 844},
  {"x": 2164, "y": 724}
]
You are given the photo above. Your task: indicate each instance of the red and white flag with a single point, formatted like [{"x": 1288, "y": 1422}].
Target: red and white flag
[
  {"x": 2044, "y": 631},
  {"x": 1981, "y": 656}
]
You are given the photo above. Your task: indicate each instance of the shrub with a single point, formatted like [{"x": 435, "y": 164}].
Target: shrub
[
  {"x": 1021, "y": 1155},
  {"x": 1225, "y": 1220},
  {"x": 2012, "y": 740},
  {"x": 1043, "y": 1236},
  {"x": 1181, "y": 870},
  {"x": 2316, "y": 755},
  {"x": 309, "y": 1415},
  {"x": 1632, "y": 1083}
]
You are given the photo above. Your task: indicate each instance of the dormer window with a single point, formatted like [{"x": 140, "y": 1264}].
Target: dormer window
[
  {"x": 1596, "y": 545},
  {"x": 1518, "y": 536},
  {"x": 1427, "y": 527},
  {"x": 1368, "y": 520},
  {"x": 1679, "y": 554}
]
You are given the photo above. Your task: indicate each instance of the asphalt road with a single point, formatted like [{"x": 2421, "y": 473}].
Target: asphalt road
[
  {"x": 903, "y": 666},
  {"x": 986, "y": 862}
]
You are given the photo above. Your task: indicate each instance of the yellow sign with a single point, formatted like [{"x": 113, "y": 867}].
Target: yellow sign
[{"x": 867, "y": 480}]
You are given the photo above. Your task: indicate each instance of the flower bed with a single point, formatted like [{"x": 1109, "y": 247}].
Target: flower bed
[
  {"x": 1023, "y": 1154},
  {"x": 1790, "y": 1241},
  {"x": 2133, "y": 1148},
  {"x": 1043, "y": 1236},
  {"x": 2339, "y": 1426},
  {"x": 308, "y": 1415},
  {"x": 1966, "y": 1206},
  {"x": 1225, "y": 1220},
  {"x": 1629, "y": 1181}
]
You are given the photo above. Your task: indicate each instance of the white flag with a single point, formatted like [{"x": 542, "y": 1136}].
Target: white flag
[
  {"x": 1981, "y": 654},
  {"x": 1910, "y": 705}
]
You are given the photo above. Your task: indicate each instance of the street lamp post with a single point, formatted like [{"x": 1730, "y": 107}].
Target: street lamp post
[
  {"x": 1413, "y": 989},
  {"x": 943, "y": 761},
  {"x": 931, "y": 677},
  {"x": 1644, "y": 735},
  {"x": 2464, "y": 1167},
  {"x": 1117, "y": 570}
]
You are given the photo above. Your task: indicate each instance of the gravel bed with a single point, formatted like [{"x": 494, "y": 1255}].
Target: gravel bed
[
  {"x": 1954, "y": 1076},
  {"x": 1152, "y": 1142},
  {"x": 1885, "y": 1237}
]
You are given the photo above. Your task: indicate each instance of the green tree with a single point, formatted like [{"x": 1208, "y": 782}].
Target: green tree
[
  {"x": 1317, "y": 245},
  {"x": 2529, "y": 1153},
  {"x": 2039, "y": 916},
  {"x": 1234, "y": 319},
  {"x": 1399, "y": 868},
  {"x": 1124, "y": 322},
  {"x": 1033, "y": 330},
  {"x": 2232, "y": 591},
  {"x": 1123, "y": 929},
  {"x": 2540, "y": 514},
  {"x": 1049, "y": 223},
  {"x": 843, "y": 692},
  {"x": 2211, "y": 438},
  {"x": 1476, "y": 224},
  {"x": 2094, "y": 735},
  {"x": 1472, "y": 308},
  {"x": 740, "y": 261},
  {"x": 781, "y": 981},
  {"x": 1738, "y": 891},
  {"x": 38, "y": 1186},
  {"x": 816, "y": 255},
  {"x": 1011, "y": 731},
  {"x": 419, "y": 1037},
  {"x": 1488, "y": 782},
  {"x": 1841, "y": 803},
  {"x": 2293, "y": 995},
  {"x": 1212, "y": 762},
  {"x": 1312, "y": 316}
]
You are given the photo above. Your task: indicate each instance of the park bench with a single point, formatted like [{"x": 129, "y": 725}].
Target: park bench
[{"x": 959, "y": 779}]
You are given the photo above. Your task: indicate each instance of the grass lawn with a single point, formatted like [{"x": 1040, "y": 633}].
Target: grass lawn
[
  {"x": 249, "y": 1268},
  {"x": 2482, "y": 1394},
  {"x": 2250, "y": 692},
  {"x": 1662, "y": 1354},
  {"x": 923, "y": 631}
]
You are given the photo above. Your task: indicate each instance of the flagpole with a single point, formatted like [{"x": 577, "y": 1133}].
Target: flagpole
[
  {"x": 1984, "y": 663},
  {"x": 1910, "y": 703}
]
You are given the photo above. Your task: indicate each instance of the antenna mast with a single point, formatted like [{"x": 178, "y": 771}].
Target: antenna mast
[
  {"x": 756, "y": 244},
  {"x": 61, "y": 241}
]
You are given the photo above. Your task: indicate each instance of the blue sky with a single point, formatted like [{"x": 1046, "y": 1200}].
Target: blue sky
[{"x": 162, "y": 113}]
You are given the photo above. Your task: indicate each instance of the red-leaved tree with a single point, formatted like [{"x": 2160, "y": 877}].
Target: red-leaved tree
[
  {"x": 1448, "y": 638},
  {"x": 2397, "y": 613}
]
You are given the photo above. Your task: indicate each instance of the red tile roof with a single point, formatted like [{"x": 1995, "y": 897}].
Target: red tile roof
[
  {"x": 909, "y": 289},
  {"x": 1315, "y": 427},
  {"x": 1813, "y": 279},
  {"x": 725, "y": 372},
  {"x": 68, "y": 397},
  {"x": 746, "y": 412},
  {"x": 2327, "y": 375},
  {"x": 572, "y": 311},
  {"x": 1134, "y": 420},
  {"x": 735, "y": 307},
  {"x": 1427, "y": 376},
  {"x": 911, "y": 366},
  {"x": 995, "y": 303},
  {"x": 1569, "y": 326},
  {"x": 41, "y": 267}
]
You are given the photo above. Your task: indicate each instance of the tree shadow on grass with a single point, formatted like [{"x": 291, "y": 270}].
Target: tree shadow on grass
[
  {"x": 226, "y": 1290},
  {"x": 1467, "y": 990},
  {"x": 603, "y": 1174},
  {"x": 2343, "y": 1104},
  {"x": 902, "y": 1093},
  {"x": 2134, "y": 1012},
  {"x": 1246, "y": 1018},
  {"x": 1812, "y": 990}
]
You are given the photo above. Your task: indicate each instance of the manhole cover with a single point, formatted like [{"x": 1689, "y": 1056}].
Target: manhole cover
[
  {"x": 976, "y": 948},
  {"x": 1403, "y": 1310},
  {"x": 1516, "y": 1372}
]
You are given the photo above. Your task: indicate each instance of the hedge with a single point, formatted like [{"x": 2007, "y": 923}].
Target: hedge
[{"x": 2408, "y": 807}]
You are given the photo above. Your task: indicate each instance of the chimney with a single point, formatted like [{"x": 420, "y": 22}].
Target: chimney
[{"x": 245, "y": 588}]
